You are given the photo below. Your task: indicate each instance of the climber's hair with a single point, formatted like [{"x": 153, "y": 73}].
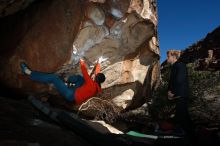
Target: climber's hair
[
  {"x": 175, "y": 53},
  {"x": 100, "y": 78}
]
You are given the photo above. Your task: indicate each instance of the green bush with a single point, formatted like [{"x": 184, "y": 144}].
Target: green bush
[{"x": 202, "y": 81}]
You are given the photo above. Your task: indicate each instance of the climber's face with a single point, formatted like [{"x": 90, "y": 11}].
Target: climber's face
[{"x": 170, "y": 58}]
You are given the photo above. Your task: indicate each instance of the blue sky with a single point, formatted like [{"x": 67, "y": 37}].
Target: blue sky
[{"x": 184, "y": 22}]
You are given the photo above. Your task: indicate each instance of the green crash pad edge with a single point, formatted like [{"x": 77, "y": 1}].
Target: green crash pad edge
[{"x": 136, "y": 134}]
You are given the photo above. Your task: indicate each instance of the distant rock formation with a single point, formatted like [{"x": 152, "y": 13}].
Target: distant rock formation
[{"x": 205, "y": 53}]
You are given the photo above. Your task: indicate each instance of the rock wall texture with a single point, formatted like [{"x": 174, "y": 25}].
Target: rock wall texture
[
  {"x": 124, "y": 32},
  {"x": 41, "y": 35},
  {"x": 9, "y": 7}
]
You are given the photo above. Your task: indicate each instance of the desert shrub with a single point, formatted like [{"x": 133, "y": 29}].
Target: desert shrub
[{"x": 202, "y": 81}]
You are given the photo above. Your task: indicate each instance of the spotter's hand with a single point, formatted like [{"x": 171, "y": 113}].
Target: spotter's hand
[{"x": 170, "y": 95}]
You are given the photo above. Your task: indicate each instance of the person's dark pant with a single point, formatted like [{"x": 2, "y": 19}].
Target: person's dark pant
[
  {"x": 59, "y": 84},
  {"x": 183, "y": 118}
]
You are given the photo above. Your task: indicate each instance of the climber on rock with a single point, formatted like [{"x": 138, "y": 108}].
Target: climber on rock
[
  {"x": 84, "y": 86},
  {"x": 178, "y": 91}
]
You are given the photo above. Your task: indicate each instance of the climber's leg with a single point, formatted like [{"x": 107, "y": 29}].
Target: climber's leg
[
  {"x": 78, "y": 80},
  {"x": 47, "y": 78}
]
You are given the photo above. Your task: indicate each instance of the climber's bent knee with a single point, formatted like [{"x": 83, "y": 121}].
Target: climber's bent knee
[{"x": 69, "y": 95}]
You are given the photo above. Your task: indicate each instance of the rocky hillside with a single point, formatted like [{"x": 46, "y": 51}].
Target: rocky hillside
[{"x": 205, "y": 53}]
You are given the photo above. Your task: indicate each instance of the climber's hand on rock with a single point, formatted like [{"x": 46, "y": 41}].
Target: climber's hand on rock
[
  {"x": 101, "y": 59},
  {"x": 74, "y": 50}
]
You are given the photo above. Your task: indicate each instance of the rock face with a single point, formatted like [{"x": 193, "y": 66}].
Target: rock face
[
  {"x": 9, "y": 7},
  {"x": 123, "y": 32},
  {"x": 41, "y": 35}
]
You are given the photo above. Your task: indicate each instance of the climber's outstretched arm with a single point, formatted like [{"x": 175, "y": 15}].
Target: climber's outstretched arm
[
  {"x": 96, "y": 69},
  {"x": 84, "y": 70}
]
